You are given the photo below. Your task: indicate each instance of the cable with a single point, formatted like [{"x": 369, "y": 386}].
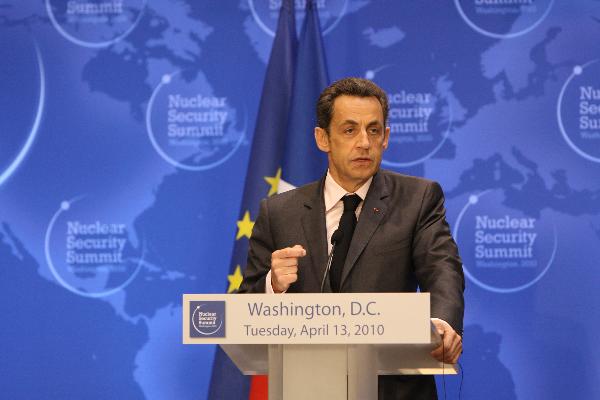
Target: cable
[
  {"x": 444, "y": 368},
  {"x": 462, "y": 377}
]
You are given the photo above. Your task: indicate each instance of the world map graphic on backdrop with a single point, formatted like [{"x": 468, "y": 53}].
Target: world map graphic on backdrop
[{"x": 120, "y": 184}]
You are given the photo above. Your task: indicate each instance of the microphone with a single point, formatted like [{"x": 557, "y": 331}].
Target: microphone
[{"x": 335, "y": 239}]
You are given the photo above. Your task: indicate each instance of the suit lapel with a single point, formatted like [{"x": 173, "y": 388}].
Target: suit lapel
[
  {"x": 374, "y": 209},
  {"x": 315, "y": 231}
]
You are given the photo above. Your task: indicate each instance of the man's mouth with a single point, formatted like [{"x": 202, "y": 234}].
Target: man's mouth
[{"x": 362, "y": 160}]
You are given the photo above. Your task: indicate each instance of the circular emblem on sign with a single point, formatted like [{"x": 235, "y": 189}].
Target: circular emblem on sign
[
  {"x": 206, "y": 321},
  {"x": 190, "y": 127},
  {"x": 578, "y": 111},
  {"x": 419, "y": 118},
  {"x": 95, "y": 23},
  {"x": 266, "y": 13},
  {"x": 503, "y": 250},
  {"x": 89, "y": 254},
  {"x": 503, "y": 19}
]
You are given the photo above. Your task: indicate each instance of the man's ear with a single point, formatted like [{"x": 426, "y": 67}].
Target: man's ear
[
  {"x": 322, "y": 139},
  {"x": 386, "y": 137}
]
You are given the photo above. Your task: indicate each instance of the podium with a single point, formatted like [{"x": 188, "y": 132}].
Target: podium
[{"x": 336, "y": 355}]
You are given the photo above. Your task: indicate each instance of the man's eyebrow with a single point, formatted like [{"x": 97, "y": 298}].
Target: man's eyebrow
[{"x": 352, "y": 122}]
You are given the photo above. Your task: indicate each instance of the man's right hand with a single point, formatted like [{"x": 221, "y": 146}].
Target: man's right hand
[{"x": 284, "y": 267}]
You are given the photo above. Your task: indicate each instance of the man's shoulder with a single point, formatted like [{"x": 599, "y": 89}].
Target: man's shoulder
[
  {"x": 408, "y": 188},
  {"x": 304, "y": 194},
  {"x": 396, "y": 179}
]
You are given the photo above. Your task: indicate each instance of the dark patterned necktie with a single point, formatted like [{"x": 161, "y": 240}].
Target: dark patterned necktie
[{"x": 347, "y": 225}]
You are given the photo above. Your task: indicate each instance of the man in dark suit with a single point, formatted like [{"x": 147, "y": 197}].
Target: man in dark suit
[{"x": 396, "y": 238}]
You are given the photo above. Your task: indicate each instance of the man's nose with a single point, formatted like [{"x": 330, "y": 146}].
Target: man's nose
[{"x": 363, "y": 139}]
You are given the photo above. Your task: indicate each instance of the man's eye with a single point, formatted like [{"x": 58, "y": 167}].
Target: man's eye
[
  {"x": 349, "y": 131},
  {"x": 374, "y": 131}
]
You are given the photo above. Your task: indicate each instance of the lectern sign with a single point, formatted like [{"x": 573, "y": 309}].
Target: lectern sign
[{"x": 306, "y": 318}]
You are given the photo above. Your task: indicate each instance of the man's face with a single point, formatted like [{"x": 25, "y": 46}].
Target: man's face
[{"x": 356, "y": 140}]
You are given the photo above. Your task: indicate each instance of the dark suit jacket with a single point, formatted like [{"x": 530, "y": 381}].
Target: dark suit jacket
[{"x": 402, "y": 241}]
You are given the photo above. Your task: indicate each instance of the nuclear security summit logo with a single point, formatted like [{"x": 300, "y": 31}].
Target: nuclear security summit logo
[
  {"x": 578, "y": 110},
  {"x": 89, "y": 252},
  {"x": 95, "y": 23},
  {"x": 503, "y": 19},
  {"x": 503, "y": 249},
  {"x": 190, "y": 126},
  {"x": 207, "y": 319},
  {"x": 420, "y": 117}
]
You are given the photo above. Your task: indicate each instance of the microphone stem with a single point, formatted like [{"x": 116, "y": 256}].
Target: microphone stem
[{"x": 329, "y": 260}]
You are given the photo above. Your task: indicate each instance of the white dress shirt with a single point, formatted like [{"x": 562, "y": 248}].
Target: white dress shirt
[{"x": 334, "y": 207}]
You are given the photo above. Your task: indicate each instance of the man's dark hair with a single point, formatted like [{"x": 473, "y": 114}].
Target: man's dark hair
[{"x": 350, "y": 87}]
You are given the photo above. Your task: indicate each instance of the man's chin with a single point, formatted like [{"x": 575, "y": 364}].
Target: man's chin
[{"x": 364, "y": 173}]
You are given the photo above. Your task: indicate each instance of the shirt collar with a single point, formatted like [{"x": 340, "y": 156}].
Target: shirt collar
[{"x": 333, "y": 192}]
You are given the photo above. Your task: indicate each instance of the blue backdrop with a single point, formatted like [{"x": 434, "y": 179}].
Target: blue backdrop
[{"x": 125, "y": 133}]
